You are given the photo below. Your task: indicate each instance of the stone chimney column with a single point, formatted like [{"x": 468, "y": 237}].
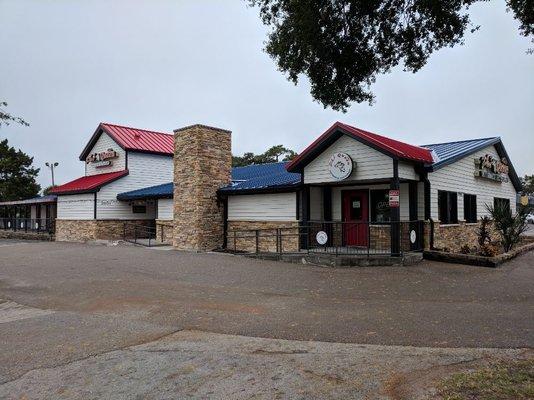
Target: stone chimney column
[{"x": 202, "y": 165}]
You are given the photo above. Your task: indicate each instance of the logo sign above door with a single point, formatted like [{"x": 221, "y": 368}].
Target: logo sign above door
[{"x": 340, "y": 165}]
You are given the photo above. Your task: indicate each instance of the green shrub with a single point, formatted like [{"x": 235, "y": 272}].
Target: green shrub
[
  {"x": 509, "y": 226},
  {"x": 483, "y": 231}
]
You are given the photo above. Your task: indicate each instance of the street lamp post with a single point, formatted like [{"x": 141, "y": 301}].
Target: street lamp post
[{"x": 52, "y": 165}]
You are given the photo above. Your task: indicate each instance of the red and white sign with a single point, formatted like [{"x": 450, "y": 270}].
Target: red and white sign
[
  {"x": 102, "y": 159},
  {"x": 394, "y": 198},
  {"x": 340, "y": 165}
]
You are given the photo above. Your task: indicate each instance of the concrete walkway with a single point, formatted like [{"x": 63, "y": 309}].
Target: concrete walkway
[{"x": 199, "y": 365}]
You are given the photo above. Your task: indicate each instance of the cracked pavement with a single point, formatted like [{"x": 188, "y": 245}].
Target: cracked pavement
[
  {"x": 191, "y": 364},
  {"x": 92, "y": 321}
]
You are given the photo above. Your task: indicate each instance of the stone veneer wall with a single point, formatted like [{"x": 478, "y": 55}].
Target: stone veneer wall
[
  {"x": 69, "y": 230},
  {"x": 164, "y": 230},
  {"x": 95, "y": 229},
  {"x": 202, "y": 165},
  {"x": 452, "y": 237},
  {"x": 242, "y": 236}
]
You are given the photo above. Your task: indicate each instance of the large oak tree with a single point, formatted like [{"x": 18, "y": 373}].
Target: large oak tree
[{"x": 342, "y": 45}]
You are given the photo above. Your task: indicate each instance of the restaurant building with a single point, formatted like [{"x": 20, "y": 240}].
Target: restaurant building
[{"x": 350, "y": 192}]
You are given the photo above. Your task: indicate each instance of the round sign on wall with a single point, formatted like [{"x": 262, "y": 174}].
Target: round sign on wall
[
  {"x": 413, "y": 236},
  {"x": 321, "y": 237},
  {"x": 340, "y": 165}
]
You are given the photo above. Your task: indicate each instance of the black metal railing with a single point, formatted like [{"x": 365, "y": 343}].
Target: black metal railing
[
  {"x": 141, "y": 234},
  {"x": 36, "y": 225},
  {"x": 335, "y": 238}
]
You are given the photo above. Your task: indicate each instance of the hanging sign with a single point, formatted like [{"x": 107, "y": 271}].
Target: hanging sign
[
  {"x": 102, "y": 159},
  {"x": 394, "y": 198},
  {"x": 492, "y": 168},
  {"x": 340, "y": 165}
]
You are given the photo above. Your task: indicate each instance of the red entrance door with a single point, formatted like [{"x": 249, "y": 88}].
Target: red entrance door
[{"x": 355, "y": 217}]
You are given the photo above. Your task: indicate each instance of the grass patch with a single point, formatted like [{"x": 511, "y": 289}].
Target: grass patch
[{"x": 499, "y": 381}]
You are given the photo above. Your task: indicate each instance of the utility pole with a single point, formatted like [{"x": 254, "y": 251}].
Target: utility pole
[{"x": 52, "y": 165}]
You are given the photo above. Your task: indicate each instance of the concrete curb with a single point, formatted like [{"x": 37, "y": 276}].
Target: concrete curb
[
  {"x": 481, "y": 261},
  {"x": 340, "y": 260}
]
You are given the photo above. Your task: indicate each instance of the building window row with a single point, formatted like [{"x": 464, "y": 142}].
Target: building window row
[{"x": 448, "y": 207}]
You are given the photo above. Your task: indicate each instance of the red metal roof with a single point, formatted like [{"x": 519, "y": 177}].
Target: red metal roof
[
  {"x": 133, "y": 139},
  {"x": 87, "y": 184},
  {"x": 390, "y": 146}
]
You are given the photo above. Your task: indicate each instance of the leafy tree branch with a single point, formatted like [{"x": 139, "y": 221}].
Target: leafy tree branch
[{"x": 343, "y": 45}]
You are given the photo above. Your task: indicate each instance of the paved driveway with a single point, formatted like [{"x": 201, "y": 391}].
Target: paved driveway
[{"x": 103, "y": 298}]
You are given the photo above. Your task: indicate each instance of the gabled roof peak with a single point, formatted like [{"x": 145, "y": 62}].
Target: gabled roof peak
[
  {"x": 133, "y": 139},
  {"x": 388, "y": 146}
]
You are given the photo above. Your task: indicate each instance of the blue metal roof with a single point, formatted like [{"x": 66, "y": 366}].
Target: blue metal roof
[
  {"x": 447, "y": 153},
  {"x": 153, "y": 192},
  {"x": 251, "y": 177},
  {"x": 261, "y": 176}
]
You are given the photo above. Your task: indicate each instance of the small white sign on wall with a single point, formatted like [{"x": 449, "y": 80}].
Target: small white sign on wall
[
  {"x": 413, "y": 236},
  {"x": 321, "y": 237},
  {"x": 340, "y": 165}
]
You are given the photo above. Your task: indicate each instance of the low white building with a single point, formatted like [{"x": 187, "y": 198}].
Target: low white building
[{"x": 116, "y": 159}]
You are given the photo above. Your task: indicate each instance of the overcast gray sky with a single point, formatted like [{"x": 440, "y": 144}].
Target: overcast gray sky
[{"x": 68, "y": 65}]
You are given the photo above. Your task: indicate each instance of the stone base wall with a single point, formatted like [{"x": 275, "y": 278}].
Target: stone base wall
[
  {"x": 85, "y": 230},
  {"x": 21, "y": 235},
  {"x": 164, "y": 231},
  {"x": 379, "y": 236},
  {"x": 452, "y": 237},
  {"x": 242, "y": 236},
  {"x": 75, "y": 230}
]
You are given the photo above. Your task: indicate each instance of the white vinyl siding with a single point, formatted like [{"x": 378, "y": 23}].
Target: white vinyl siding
[
  {"x": 165, "y": 209},
  {"x": 144, "y": 170},
  {"x": 369, "y": 163},
  {"x": 459, "y": 177},
  {"x": 263, "y": 207},
  {"x": 407, "y": 171},
  {"x": 420, "y": 200},
  {"x": 75, "y": 206},
  {"x": 33, "y": 211},
  {"x": 104, "y": 143},
  {"x": 316, "y": 203},
  {"x": 404, "y": 201}
]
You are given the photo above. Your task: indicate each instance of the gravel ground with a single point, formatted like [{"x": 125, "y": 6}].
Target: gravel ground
[{"x": 201, "y": 365}]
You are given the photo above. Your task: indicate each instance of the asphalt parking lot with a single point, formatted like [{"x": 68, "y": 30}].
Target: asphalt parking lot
[{"x": 66, "y": 302}]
